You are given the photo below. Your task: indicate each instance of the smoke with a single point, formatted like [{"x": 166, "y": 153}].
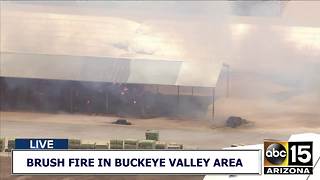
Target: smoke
[
  {"x": 266, "y": 102},
  {"x": 274, "y": 73},
  {"x": 274, "y": 61}
]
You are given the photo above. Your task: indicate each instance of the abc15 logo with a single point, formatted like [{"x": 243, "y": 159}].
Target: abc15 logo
[{"x": 282, "y": 153}]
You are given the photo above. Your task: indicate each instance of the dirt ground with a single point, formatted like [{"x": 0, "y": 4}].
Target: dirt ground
[
  {"x": 192, "y": 133},
  {"x": 195, "y": 134}
]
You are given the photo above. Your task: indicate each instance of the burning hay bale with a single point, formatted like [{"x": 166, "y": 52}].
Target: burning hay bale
[
  {"x": 2, "y": 144},
  {"x": 11, "y": 145},
  {"x": 160, "y": 145},
  {"x": 152, "y": 135},
  {"x": 175, "y": 146},
  {"x": 74, "y": 143},
  {"x": 116, "y": 144},
  {"x": 130, "y": 144},
  {"x": 122, "y": 122},
  {"x": 235, "y": 121},
  {"x": 146, "y": 144}
]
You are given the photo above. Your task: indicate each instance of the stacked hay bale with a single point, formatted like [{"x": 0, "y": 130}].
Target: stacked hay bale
[
  {"x": 116, "y": 144},
  {"x": 2, "y": 144},
  {"x": 175, "y": 146},
  {"x": 160, "y": 145},
  {"x": 130, "y": 144},
  {"x": 11, "y": 145},
  {"x": 87, "y": 145},
  {"x": 152, "y": 135},
  {"x": 74, "y": 143},
  {"x": 146, "y": 144},
  {"x": 102, "y": 145}
]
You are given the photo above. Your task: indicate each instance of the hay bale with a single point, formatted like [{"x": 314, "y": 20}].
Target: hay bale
[
  {"x": 102, "y": 146},
  {"x": 116, "y": 146},
  {"x": 152, "y": 135},
  {"x": 87, "y": 146},
  {"x": 116, "y": 141},
  {"x": 181, "y": 146},
  {"x": 146, "y": 144},
  {"x": 2, "y": 144},
  {"x": 11, "y": 145},
  {"x": 160, "y": 145},
  {"x": 74, "y": 143},
  {"x": 175, "y": 146},
  {"x": 129, "y": 146},
  {"x": 74, "y": 146},
  {"x": 131, "y": 142}
]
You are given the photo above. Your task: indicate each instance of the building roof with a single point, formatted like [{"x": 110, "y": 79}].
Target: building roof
[
  {"x": 79, "y": 47},
  {"x": 81, "y": 68}
]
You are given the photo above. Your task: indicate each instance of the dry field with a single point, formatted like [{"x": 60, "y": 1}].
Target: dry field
[{"x": 193, "y": 134}]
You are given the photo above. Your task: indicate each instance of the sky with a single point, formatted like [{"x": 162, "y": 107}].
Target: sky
[{"x": 273, "y": 48}]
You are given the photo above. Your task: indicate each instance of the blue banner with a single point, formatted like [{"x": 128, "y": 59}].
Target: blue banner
[{"x": 41, "y": 143}]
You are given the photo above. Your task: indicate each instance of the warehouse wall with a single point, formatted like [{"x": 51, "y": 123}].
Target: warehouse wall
[{"x": 133, "y": 100}]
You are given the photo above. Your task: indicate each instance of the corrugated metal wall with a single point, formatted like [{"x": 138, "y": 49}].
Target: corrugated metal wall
[{"x": 138, "y": 100}]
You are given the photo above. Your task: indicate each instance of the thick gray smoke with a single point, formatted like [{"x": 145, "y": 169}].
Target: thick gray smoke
[{"x": 274, "y": 59}]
